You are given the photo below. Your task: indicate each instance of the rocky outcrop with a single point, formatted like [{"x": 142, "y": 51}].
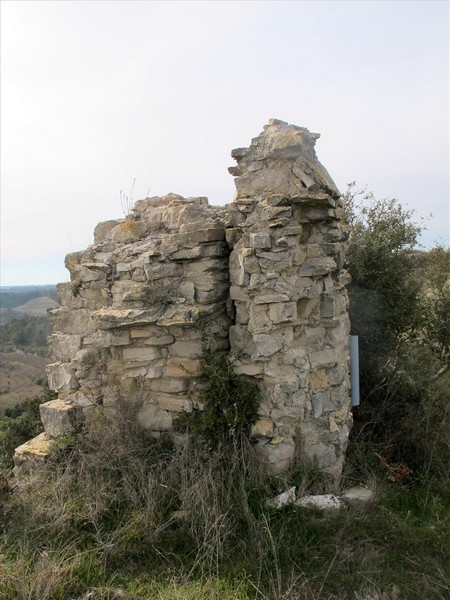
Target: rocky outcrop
[{"x": 264, "y": 276}]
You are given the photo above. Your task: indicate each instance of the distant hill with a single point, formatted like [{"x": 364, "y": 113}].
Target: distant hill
[
  {"x": 16, "y": 295},
  {"x": 18, "y": 301},
  {"x": 37, "y": 307}
]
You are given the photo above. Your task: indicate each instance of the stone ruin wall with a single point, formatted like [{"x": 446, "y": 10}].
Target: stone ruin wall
[{"x": 264, "y": 276}]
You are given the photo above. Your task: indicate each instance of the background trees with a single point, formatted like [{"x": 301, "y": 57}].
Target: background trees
[{"x": 400, "y": 309}]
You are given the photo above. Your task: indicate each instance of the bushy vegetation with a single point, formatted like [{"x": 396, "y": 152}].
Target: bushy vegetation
[
  {"x": 229, "y": 401},
  {"x": 400, "y": 309},
  {"x": 21, "y": 424},
  {"x": 118, "y": 514},
  {"x": 28, "y": 332}
]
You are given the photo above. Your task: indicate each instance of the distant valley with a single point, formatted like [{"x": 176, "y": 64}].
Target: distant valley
[{"x": 24, "y": 328}]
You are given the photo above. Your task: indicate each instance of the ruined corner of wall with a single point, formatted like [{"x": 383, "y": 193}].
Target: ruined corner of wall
[{"x": 264, "y": 276}]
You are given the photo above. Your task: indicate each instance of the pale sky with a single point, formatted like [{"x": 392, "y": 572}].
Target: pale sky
[{"x": 97, "y": 93}]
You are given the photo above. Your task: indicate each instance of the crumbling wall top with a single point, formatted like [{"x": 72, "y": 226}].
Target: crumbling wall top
[{"x": 281, "y": 159}]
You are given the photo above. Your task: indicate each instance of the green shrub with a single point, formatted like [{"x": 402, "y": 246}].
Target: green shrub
[
  {"x": 229, "y": 401},
  {"x": 400, "y": 312}
]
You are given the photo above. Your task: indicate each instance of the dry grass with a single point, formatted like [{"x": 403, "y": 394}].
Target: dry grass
[{"x": 117, "y": 510}]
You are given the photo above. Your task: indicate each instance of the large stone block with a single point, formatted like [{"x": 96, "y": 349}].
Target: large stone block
[
  {"x": 154, "y": 418},
  {"x": 64, "y": 347},
  {"x": 59, "y": 416},
  {"x": 61, "y": 377}
]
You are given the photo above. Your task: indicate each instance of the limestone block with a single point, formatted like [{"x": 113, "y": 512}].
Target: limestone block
[
  {"x": 187, "y": 291},
  {"x": 336, "y": 375},
  {"x": 163, "y": 270},
  {"x": 164, "y": 340},
  {"x": 206, "y": 266},
  {"x": 87, "y": 357},
  {"x": 61, "y": 377},
  {"x": 237, "y": 270},
  {"x": 307, "y": 307},
  {"x": 31, "y": 455},
  {"x": 123, "y": 267},
  {"x": 299, "y": 256},
  {"x": 320, "y": 501},
  {"x": 280, "y": 261},
  {"x": 59, "y": 416},
  {"x": 63, "y": 347},
  {"x": 249, "y": 369},
  {"x": 103, "y": 231},
  {"x": 141, "y": 355},
  {"x": 280, "y": 455},
  {"x": 270, "y": 298},
  {"x": 318, "y": 379},
  {"x": 314, "y": 267},
  {"x": 118, "y": 338},
  {"x": 338, "y": 335},
  {"x": 112, "y": 318},
  {"x": 68, "y": 295},
  {"x": 92, "y": 271},
  {"x": 170, "y": 385},
  {"x": 327, "y": 307},
  {"x": 238, "y": 293},
  {"x": 283, "y": 312},
  {"x": 242, "y": 313},
  {"x": 155, "y": 371},
  {"x": 251, "y": 264},
  {"x": 287, "y": 497},
  {"x": 259, "y": 320},
  {"x": 266, "y": 344},
  {"x": 260, "y": 240},
  {"x": 210, "y": 296},
  {"x": 134, "y": 372},
  {"x": 189, "y": 349},
  {"x": 262, "y": 428},
  {"x": 323, "y": 358},
  {"x": 286, "y": 415},
  {"x": 128, "y": 292},
  {"x": 268, "y": 181},
  {"x": 128, "y": 231},
  {"x": 192, "y": 238},
  {"x": 317, "y": 406},
  {"x": 154, "y": 418},
  {"x": 182, "y": 368},
  {"x": 174, "y": 403},
  {"x": 72, "y": 321}
]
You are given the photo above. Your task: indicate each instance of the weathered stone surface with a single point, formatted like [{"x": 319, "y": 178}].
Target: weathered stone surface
[
  {"x": 31, "y": 455},
  {"x": 154, "y": 418},
  {"x": 174, "y": 403},
  {"x": 141, "y": 355},
  {"x": 103, "y": 231},
  {"x": 321, "y": 501},
  {"x": 61, "y": 377},
  {"x": 64, "y": 346},
  {"x": 128, "y": 231},
  {"x": 357, "y": 495},
  {"x": 132, "y": 317},
  {"x": 262, "y": 428},
  {"x": 59, "y": 416},
  {"x": 182, "y": 368},
  {"x": 287, "y": 497}
]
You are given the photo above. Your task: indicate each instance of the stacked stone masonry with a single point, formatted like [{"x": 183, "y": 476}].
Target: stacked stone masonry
[{"x": 264, "y": 277}]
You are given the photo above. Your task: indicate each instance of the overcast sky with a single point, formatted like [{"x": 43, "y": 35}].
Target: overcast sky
[{"x": 97, "y": 93}]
